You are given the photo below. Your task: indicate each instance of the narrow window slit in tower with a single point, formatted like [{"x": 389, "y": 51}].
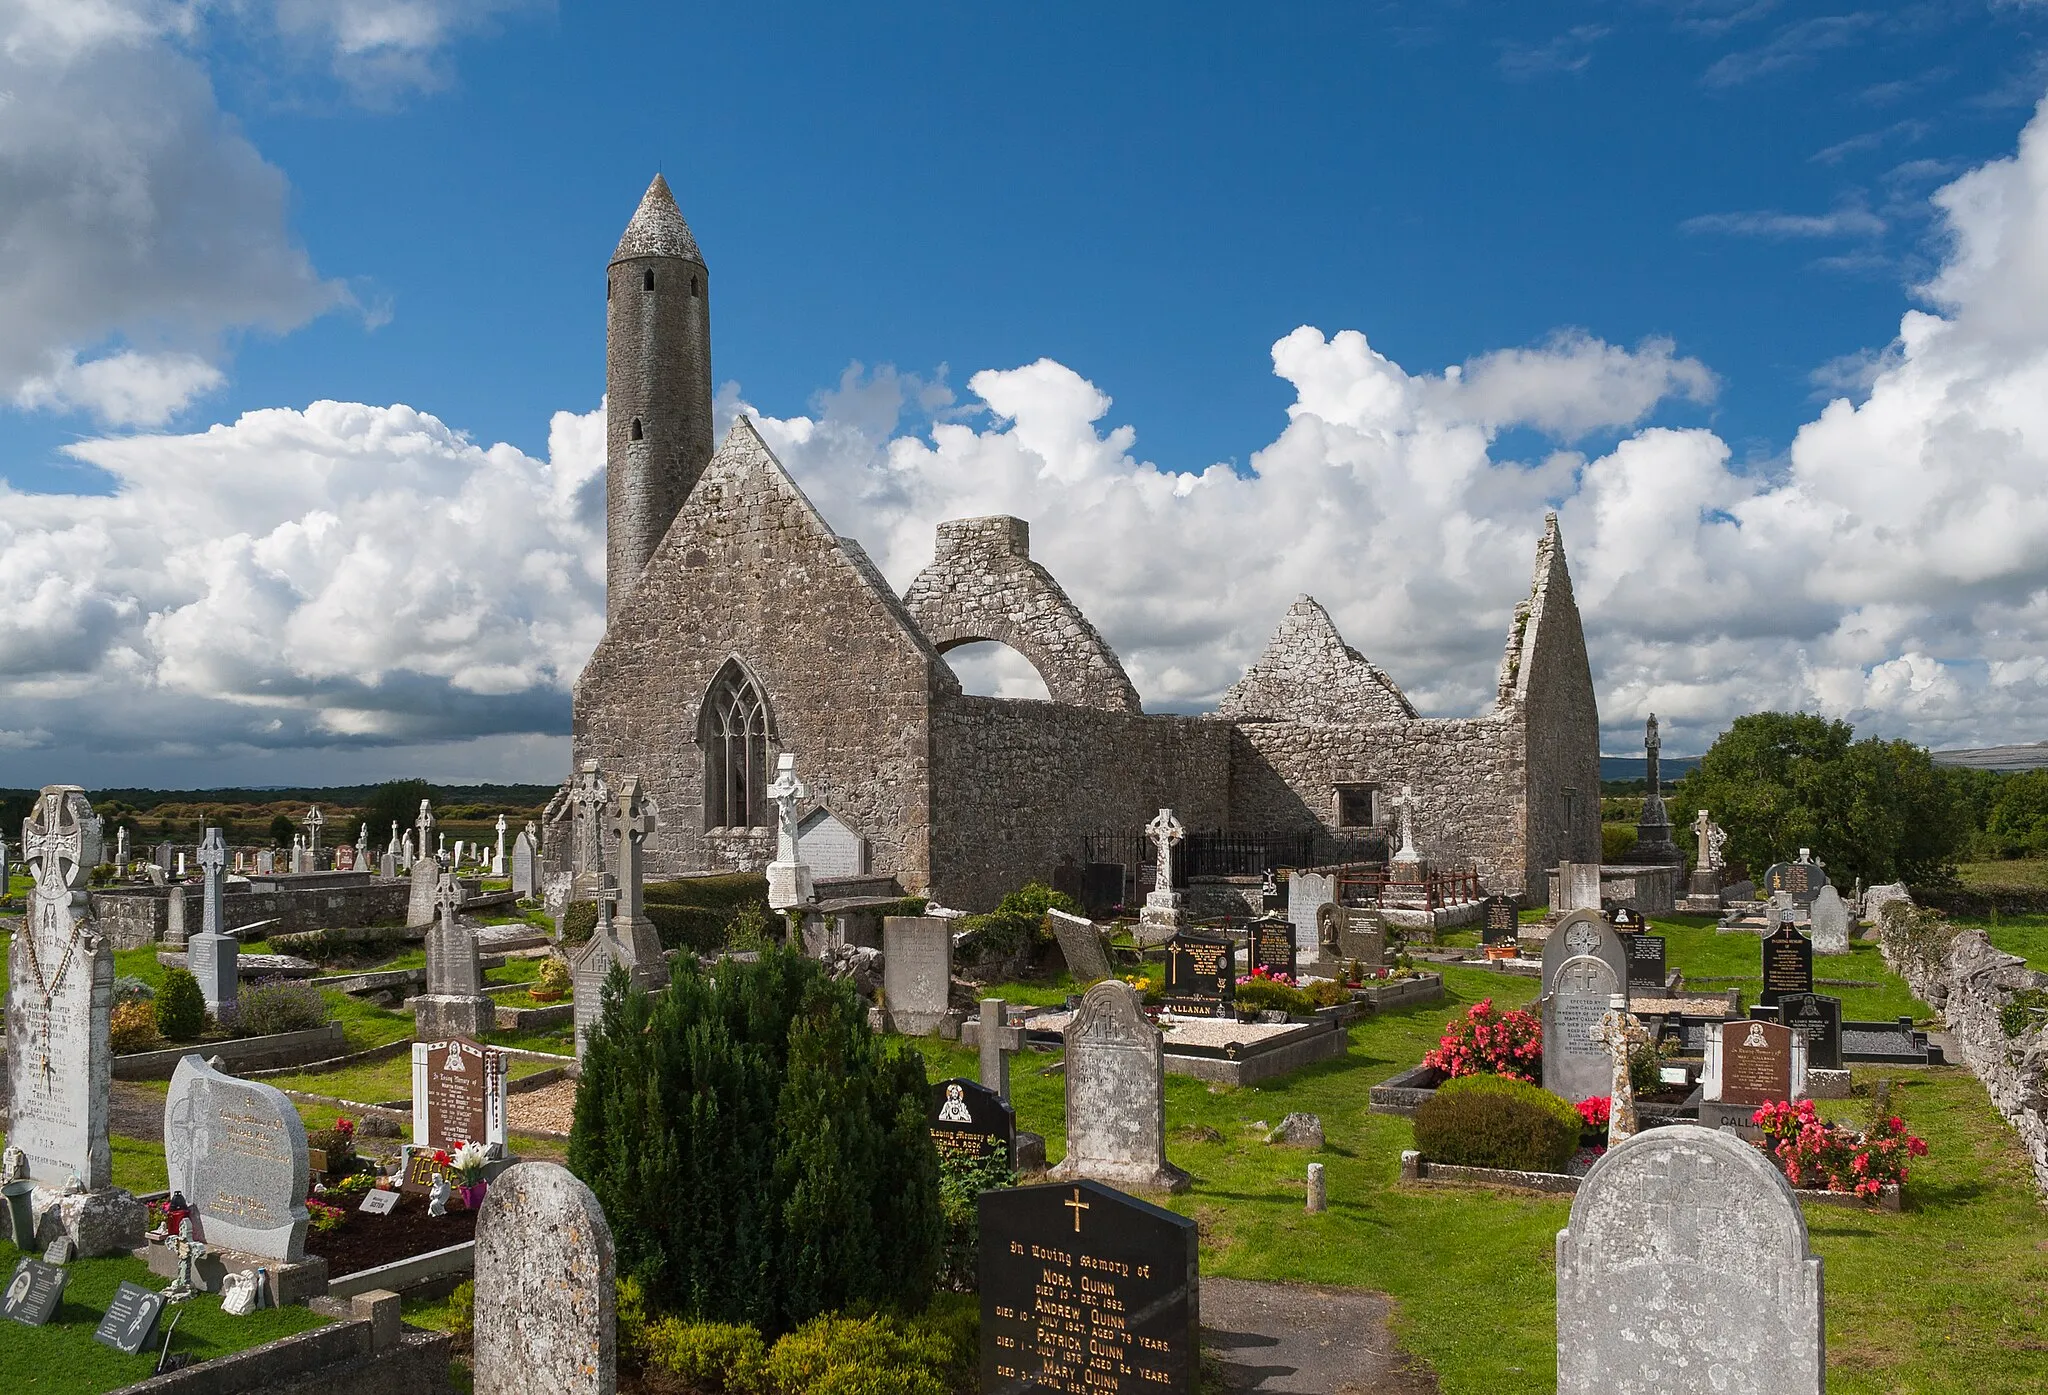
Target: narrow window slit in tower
[
  {"x": 647, "y": 281},
  {"x": 693, "y": 288},
  {"x": 636, "y": 428}
]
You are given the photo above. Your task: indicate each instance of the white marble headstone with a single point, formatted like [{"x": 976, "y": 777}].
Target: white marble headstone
[
  {"x": 1828, "y": 919},
  {"x": 1307, "y": 893}
]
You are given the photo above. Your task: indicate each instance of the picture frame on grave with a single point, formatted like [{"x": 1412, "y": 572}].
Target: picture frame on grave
[
  {"x": 970, "y": 1123},
  {"x": 1138, "y": 1313},
  {"x": 131, "y": 1318},
  {"x": 33, "y": 1292},
  {"x": 1201, "y": 975}
]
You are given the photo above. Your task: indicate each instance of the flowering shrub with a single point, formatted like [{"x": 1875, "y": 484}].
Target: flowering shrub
[
  {"x": 324, "y": 1217},
  {"x": 1595, "y": 1111},
  {"x": 1486, "y": 1042},
  {"x": 1262, "y": 974},
  {"x": 1833, "y": 1157}
]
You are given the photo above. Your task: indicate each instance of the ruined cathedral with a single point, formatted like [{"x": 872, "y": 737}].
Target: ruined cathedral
[{"x": 739, "y": 625}]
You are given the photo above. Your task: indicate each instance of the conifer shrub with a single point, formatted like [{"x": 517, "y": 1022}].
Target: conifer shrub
[
  {"x": 132, "y": 1025},
  {"x": 180, "y": 1006},
  {"x": 579, "y": 922},
  {"x": 1496, "y": 1121},
  {"x": 761, "y": 1155}
]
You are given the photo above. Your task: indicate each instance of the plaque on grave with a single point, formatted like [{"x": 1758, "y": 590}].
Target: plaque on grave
[
  {"x": 1788, "y": 963},
  {"x": 970, "y": 1122},
  {"x": 1201, "y": 975},
  {"x": 380, "y": 1201},
  {"x": 1626, "y": 920},
  {"x": 420, "y": 1172},
  {"x": 1086, "y": 1291},
  {"x": 1272, "y": 945},
  {"x": 1819, "y": 1019},
  {"x": 1754, "y": 1064},
  {"x": 1503, "y": 923},
  {"x": 32, "y": 1292},
  {"x": 458, "y": 1093},
  {"x": 131, "y": 1318},
  {"x": 1801, "y": 881},
  {"x": 1645, "y": 961}
]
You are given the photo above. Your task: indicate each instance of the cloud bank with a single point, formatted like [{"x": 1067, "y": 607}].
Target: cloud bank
[{"x": 345, "y": 576}]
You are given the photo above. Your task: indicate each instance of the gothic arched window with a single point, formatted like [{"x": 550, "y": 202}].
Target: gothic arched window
[{"x": 734, "y": 731}]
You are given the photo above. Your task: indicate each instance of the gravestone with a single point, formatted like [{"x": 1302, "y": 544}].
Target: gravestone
[
  {"x": 458, "y": 1094},
  {"x": 546, "y": 1304},
  {"x": 1162, "y": 914},
  {"x": 1575, "y": 1066},
  {"x": 995, "y": 1040},
  {"x": 917, "y": 972},
  {"x": 789, "y": 877},
  {"x": 1801, "y": 881},
  {"x": 1886, "y": 1043},
  {"x": 1085, "y": 1289},
  {"x": 160, "y": 855},
  {"x": 455, "y": 1004},
  {"x": 1749, "y": 1064},
  {"x": 211, "y": 953},
  {"x": 970, "y": 1123},
  {"x": 131, "y": 1318},
  {"x": 1583, "y": 932},
  {"x": 639, "y": 941},
  {"x": 1272, "y": 945},
  {"x": 1308, "y": 893},
  {"x": 266, "y": 863},
  {"x": 1359, "y": 936},
  {"x": 587, "y": 975},
  {"x": 1102, "y": 887},
  {"x": 498, "y": 858},
  {"x": 1578, "y": 886},
  {"x": 1502, "y": 923},
  {"x": 237, "y": 1151},
  {"x": 1646, "y": 972},
  {"x": 1819, "y": 1019},
  {"x": 33, "y": 1291},
  {"x": 525, "y": 862},
  {"x": 829, "y": 846},
  {"x": 1626, "y": 920},
  {"x": 60, "y": 995},
  {"x": 1081, "y": 946},
  {"x": 1829, "y": 920},
  {"x": 1788, "y": 964},
  {"x": 1684, "y": 1270},
  {"x": 344, "y": 857},
  {"x": 1201, "y": 975},
  {"x": 1116, "y": 1094}
]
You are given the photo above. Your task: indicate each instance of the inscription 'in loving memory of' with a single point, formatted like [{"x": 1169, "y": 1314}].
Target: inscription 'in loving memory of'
[{"x": 1077, "y": 1323}]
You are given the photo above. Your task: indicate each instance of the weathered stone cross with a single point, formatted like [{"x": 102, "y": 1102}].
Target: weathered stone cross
[
  {"x": 592, "y": 797},
  {"x": 213, "y": 863},
  {"x": 1404, "y": 806},
  {"x": 997, "y": 1040},
  {"x": 425, "y": 824},
  {"x": 315, "y": 821},
  {"x": 784, "y": 794},
  {"x": 1165, "y": 830},
  {"x": 638, "y": 817}
]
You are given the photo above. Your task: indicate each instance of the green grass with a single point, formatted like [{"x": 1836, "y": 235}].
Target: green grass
[
  {"x": 61, "y": 1357},
  {"x": 375, "y": 1081},
  {"x": 1943, "y": 1298},
  {"x": 1693, "y": 944},
  {"x": 2019, "y": 871},
  {"x": 2024, "y": 935},
  {"x": 139, "y": 1166}
]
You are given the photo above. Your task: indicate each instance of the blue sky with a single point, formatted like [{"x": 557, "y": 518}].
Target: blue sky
[{"x": 1150, "y": 198}]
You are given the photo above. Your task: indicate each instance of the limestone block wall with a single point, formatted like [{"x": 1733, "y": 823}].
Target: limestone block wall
[
  {"x": 1968, "y": 985},
  {"x": 1015, "y": 784},
  {"x": 1546, "y": 686},
  {"x": 132, "y": 919}
]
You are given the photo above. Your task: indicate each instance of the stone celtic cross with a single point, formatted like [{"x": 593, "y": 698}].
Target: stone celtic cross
[
  {"x": 1703, "y": 829},
  {"x": 591, "y": 797},
  {"x": 425, "y": 824},
  {"x": 448, "y": 898},
  {"x": 1404, "y": 806},
  {"x": 638, "y": 817},
  {"x": 53, "y": 844},
  {"x": 1165, "y": 830},
  {"x": 315, "y": 821},
  {"x": 784, "y": 794},
  {"x": 1621, "y": 1034}
]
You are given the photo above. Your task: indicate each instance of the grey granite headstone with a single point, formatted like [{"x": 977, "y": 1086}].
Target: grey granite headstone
[
  {"x": 1308, "y": 892},
  {"x": 426, "y": 881},
  {"x": 1828, "y": 919},
  {"x": 454, "y": 1004},
  {"x": 1583, "y": 932},
  {"x": 546, "y": 1310},
  {"x": 525, "y": 863},
  {"x": 592, "y": 965},
  {"x": 1574, "y": 1065},
  {"x": 1116, "y": 1094},
  {"x": 1684, "y": 1270},
  {"x": 237, "y": 1150},
  {"x": 1081, "y": 945},
  {"x": 917, "y": 972},
  {"x": 60, "y": 996}
]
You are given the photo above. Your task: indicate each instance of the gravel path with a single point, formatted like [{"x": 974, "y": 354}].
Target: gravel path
[
  {"x": 1303, "y": 1339},
  {"x": 550, "y": 1109}
]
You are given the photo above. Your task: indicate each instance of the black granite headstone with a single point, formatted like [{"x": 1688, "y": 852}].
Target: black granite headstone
[
  {"x": 1086, "y": 1291},
  {"x": 1503, "y": 922},
  {"x": 1626, "y": 920},
  {"x": 32, "y": 1292},
  {"x": 1800, "y": 880},
  {"x": 1102, "y": 887},
  {"x": 1788, "y": 963},
  {"x": 1645, "y": 960},
  {"x": 1201, "y": 975},
  {"x": 970, "y": 1122},
  {"x": 1272, "y": 945},
  {"x": 131, "y": 1318},
  {"x": 1819, "y": 1018},
  {"x": 1891, "y": 1043}
]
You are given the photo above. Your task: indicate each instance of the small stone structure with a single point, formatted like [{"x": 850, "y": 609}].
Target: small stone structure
[
  {"x": 917, "y": 972},
  {"x": 1685, "y": 1271},
  {"x": 546, "y": 1309},
  {"x": 1116, "y": 1095}
]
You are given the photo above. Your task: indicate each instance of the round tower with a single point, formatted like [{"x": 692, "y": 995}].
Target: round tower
[{"x": 657, "y": 384}]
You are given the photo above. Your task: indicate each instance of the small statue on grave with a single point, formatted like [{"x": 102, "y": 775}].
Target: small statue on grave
[
  {"x": 189, "y": 1253},
  {"x": 13, "y": 1165},
  {"x": 437, "y": 1197},
  {"x": 1621, "y": 1034}
]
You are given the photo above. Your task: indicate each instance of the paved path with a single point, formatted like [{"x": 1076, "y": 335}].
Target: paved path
[{"x": 1304, "y": 1339}]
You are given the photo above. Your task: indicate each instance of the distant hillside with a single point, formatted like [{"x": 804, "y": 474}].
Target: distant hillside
[
  {"x": 1638, "y": 767},
  {"x": 2033, "y": 756}
]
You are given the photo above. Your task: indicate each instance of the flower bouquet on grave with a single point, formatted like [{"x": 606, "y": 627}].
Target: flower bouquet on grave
[
  {"x": 467, "y": 1163},
  {"x": 1825, "y": 1156}
]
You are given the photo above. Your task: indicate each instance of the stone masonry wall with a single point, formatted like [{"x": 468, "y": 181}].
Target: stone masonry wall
[
  {"x": 1968, "y": 984},
  {"x": 132, "y": 919},
  {"x": 1547, "y": 684},
  {"x": 749, "y": 570},
  {"x": 1015, "y": 784},
  {"x": 1309, "y": 674}
]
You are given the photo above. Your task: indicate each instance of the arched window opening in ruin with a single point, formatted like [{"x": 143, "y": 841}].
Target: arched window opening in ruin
[
  {"x": 734, "y": 730},
  {"x": 647, "y": 282},
  {"x": 636, "y": 428},
  {"x": 990, "y": 668}
]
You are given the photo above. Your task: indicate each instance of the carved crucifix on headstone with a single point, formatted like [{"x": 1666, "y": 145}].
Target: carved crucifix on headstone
[
  {"x": 1404, "y": 809},
  {"x": 1165, "y": 830}
]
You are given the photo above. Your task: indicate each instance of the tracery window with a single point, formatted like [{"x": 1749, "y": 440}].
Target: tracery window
[{"x": 734, "y": 731}]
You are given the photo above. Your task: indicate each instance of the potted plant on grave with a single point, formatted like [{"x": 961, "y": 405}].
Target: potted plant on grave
[{"x": 468, "y": 1162}]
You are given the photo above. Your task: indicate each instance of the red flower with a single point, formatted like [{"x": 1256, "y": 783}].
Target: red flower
[{"x": 441, "y": 1157}]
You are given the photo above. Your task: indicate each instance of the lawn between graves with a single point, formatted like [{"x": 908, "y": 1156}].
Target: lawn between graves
[
  {"x": 61, "y": 1357},
  {"x": 1940, "y": 1298}
]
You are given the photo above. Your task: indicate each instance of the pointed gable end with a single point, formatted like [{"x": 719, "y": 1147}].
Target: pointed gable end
[
  {"x": 1545, "y": 640},
  {"x": 1309, "y": 674}
]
